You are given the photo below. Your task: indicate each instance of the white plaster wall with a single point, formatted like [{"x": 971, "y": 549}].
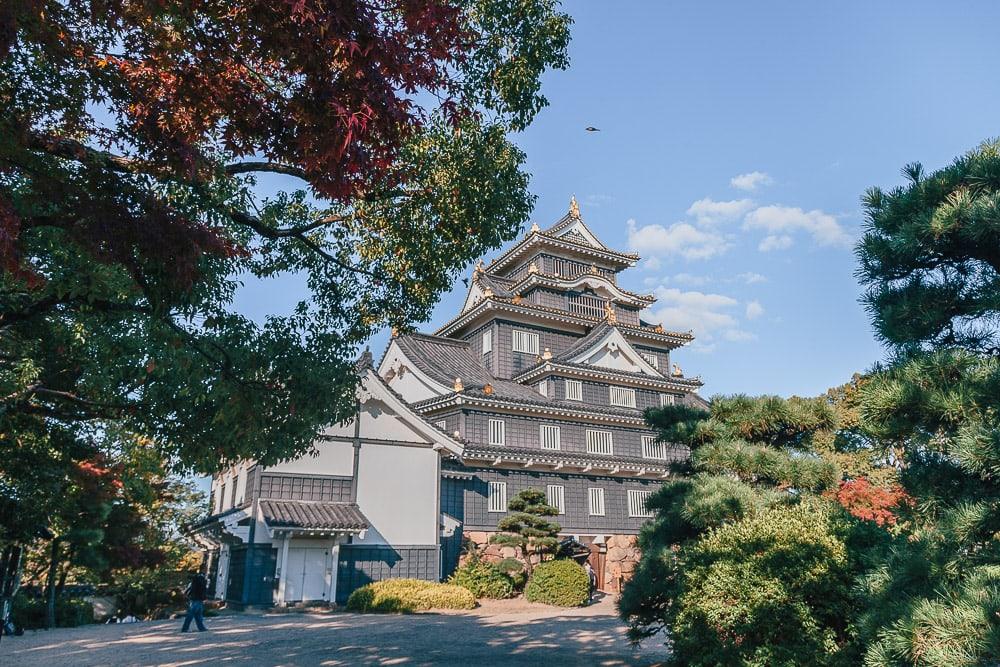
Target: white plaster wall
[
  {"x": 331, "y": 458},
  {"x": 241, "y": 484},
  {"x": 397, "y": 491}
]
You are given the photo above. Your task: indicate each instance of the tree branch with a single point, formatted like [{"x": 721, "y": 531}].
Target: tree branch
[{"x": 274, "y": 167}]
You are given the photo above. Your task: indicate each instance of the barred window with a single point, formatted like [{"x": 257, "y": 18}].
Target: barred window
[
  {"x": 441, "y": 424},
  {"x": 498, "y": 432},
  {"x": 651, "y": 449},
  {"x": 543, "y": 388},
  {"x": 574, "y": 390},
  {"x": 622, "y": 397},
  {"x": 637, "y": 503},
  {"x": 525, "y": 341},
  {"x": 599, "y": 442},
  {"x": 666, "y": 399},
  {"x": 498, "y": 497},
  {"x": 487, "y": 341},
  {"x": 596, "y": 501},
  {"x": 548, "y": 436},
  {"x": 555, "y": 495},
  {"x": 651, "y": 359}
]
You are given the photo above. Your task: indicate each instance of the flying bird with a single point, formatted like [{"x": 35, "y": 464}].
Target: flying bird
[
  {"x": 466, "y": 281},
  {"x": 593, "y": 129}
]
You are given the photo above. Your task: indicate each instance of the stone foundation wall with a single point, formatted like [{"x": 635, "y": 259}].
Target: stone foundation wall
[{"x": 620, "y": 559}]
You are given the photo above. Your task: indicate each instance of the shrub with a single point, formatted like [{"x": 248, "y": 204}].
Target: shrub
[
  {"x": 29, "y": 613},
  {"x": 409, "y": 595},
  {"x": 484, "y": 580},
  {"x": 514, "y": 569},
  {"x": 559, "y": 582}
]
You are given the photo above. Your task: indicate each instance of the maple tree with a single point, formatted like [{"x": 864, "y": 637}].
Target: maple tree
[{"x": 133, "y": 137}]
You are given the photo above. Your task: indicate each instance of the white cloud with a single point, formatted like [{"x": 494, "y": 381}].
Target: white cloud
[
  {"x": 679, "y": 310},
  {"x": 689, "y": 279},
  {"x": 738, "y": 335},
  {"x": 754, "y": 310},
  {"x": 750, "y": 181},
  {"x": 679, "y": 238},
  {"x": 750, "y": 278},
  {"x": 774, "y": 243},
  {"x": 652, "y": 264},
  {"x": 707, "y": 211},
  {"x": 596, "y": 201},
  {"x": 782, "y": 220}
]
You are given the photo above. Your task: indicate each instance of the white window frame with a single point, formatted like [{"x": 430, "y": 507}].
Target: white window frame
[
  {"x": 498, "y": 432},
  {"x": 623, "y": 397},
  {"x": 549, "y": 437},
  {"x": 600, "y": 442},
  {"x": 667, "y": 399},
  {"x": 524, "y": 341},
  {"x": 487, "y": 341},
  {"x": 441, "y": 424},
  {"x": 637, "y": 503},
  {"x": 651, "y": 359},
  {"x": 497, "y": 497},
  {"x": 595, "y": 501},
  {"x": 555, "y": 496},
  {"x": 651, "y": 449},
  {"x": 577, "y": 390},
  {"x": 543, "y": 388}
]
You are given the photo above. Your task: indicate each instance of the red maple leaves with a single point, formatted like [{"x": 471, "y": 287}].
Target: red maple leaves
[{"x": 868, "y": 502}]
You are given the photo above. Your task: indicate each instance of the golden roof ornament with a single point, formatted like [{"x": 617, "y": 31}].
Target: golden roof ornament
[
  {"x": 574, "y": 208},
  {"x": 658, "y": 328},
  {"x": 487, "y": 292},
  {"x": 593, "y": 269},
  {"x": 534, "y": 227},
  {"x": 516, "y": 300},
  {"x": 609, "y": 313},
  {"x": 487, "y": 389},
  {"x": 547, "y": 354},
  {"x": 533, "y": 268},
  {"x": 458, "y": 385},
  {"x": 677, "y": 373},
  {"x": 394, "y": 332}
]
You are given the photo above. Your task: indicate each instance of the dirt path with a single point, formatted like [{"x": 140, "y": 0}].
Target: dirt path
[{"x": 509, "y": 632}]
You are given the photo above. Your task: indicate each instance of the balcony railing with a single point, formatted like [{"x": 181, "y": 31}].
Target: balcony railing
[{"x": 588, "y": 306}]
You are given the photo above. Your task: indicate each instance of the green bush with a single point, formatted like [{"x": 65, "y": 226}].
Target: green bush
[
  {"x": 514, "y": 569},
  {"x": 484, "y": 580},
  {"x": 409, "y": 595},
  {"x": 29, "y": 613},
  {"x": 560, "y": 582}
]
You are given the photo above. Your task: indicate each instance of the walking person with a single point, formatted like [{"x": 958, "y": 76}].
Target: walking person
[
  {"x": 591, "y": 581},
  {"x": 196, "y": 592}
]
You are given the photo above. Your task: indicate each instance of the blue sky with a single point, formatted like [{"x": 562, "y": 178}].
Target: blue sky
[{"x": 736, "y": 140}]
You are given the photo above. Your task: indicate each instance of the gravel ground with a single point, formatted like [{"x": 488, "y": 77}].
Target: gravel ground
[{"x": 508, "y": 632}]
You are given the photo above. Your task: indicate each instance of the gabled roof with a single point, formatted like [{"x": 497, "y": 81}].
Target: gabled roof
[
  {"x": 572, "y": 227},
  {"x": 606, "y": 336}
]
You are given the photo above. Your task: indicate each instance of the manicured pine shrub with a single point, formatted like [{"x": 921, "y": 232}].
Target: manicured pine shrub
[
  {"x": 29, "y": 613},
  {"x": 558, "y": 582},
  {"x": 408, "y": 595},
  {"x": 484, "y": 580}
]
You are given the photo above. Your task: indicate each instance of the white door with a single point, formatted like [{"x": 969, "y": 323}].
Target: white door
[{"x": 306, "y": 574}]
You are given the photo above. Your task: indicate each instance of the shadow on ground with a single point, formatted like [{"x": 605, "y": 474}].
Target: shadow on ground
[{"x": 555, "y": 638}]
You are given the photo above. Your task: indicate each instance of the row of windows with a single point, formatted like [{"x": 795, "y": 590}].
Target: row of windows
[
  {"x": 598, "y": 441},
  {"x": 621, "y": 396},
  {"x": 555, "y": 495}
]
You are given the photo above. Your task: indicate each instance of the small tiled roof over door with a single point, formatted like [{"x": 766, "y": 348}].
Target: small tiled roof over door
[{"x": 304, "y": 514}]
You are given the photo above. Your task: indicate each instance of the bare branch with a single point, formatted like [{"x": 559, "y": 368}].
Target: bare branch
[{"x": 273, "y": 167}]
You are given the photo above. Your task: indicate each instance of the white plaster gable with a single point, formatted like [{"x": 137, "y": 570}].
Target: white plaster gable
[
  {"x": 406, "y": 379},
  {"x": 583, "y": 231},
  {"x": 474, "y": 296},
  {"x": 615, "y": 352}
]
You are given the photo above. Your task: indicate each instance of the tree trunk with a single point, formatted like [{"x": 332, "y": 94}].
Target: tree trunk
[
  {"x": 61, "y": 586},
  {"x": 50, "y": 590},
  {"x": 528, "y": 567}
]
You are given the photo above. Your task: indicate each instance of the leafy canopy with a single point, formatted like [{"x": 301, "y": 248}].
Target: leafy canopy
[{"x": 132, "y": 136}]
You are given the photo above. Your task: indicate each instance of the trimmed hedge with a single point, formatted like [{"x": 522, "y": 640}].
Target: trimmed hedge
[
  {"x": 29, "y": 613},
  {"x": 484, "y": 580},
  {"x": 408, "y": 595},
  {"x": 559, "y": 582}
]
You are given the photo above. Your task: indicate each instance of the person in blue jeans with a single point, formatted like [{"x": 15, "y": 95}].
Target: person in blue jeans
[{"x": 196, "y": 591}]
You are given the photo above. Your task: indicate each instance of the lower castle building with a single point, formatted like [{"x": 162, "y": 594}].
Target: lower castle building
[{"x": 541, "y": 381}]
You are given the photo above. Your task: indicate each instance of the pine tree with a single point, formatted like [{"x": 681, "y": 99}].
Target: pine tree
[
  {"x": 526, "y": 528},
  {"x": 930, "y": 261}
]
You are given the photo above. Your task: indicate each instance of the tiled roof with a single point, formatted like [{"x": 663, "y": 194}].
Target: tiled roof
[
  {"x": 445, "y": 359},
  {"x": 675, "y": 453},
  {"x": 585, "y": 343},
  {"x": 315, "y": 515},
  {"x": 691, "y": 382},
  {"x": 499, "y": 286}
]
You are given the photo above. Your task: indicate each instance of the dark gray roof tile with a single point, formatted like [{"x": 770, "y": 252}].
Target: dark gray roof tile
[{"x": 316, "y": 515}]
